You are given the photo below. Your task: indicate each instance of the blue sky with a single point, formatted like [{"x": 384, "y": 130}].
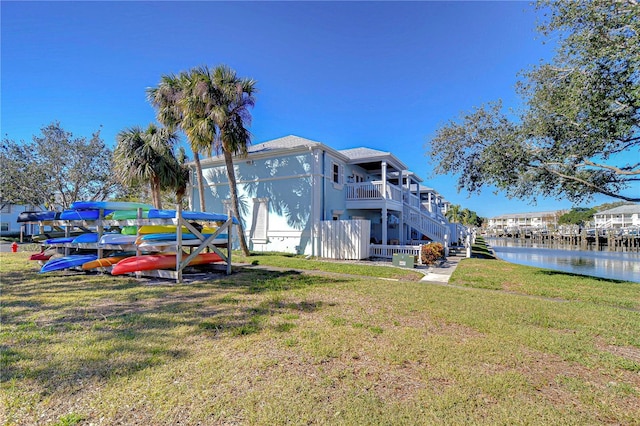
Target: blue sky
[{"x": 384, "y": 75}]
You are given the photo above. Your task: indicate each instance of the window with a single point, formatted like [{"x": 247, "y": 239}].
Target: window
[
  {"x": 337, "y": 172},
  {"x": 6, "y": 208},
  {"x": 4, "y": 226},
  {"x": 260, "y": 223}
]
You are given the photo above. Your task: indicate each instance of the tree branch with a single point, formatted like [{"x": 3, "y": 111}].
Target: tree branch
[
  {"x": 595, "y": 188},
  {"x": 617, "y": 170}
]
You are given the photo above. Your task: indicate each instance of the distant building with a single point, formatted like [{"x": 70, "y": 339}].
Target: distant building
[
  {"x": 9, "y": 220},
  {"x": 525, "y": 221},
  {"x": 619, "y": 217}
]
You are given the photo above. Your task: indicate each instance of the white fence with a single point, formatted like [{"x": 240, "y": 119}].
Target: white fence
[
  {"x": 387, "y": 252},
  {"x": 345, "y": 239}
]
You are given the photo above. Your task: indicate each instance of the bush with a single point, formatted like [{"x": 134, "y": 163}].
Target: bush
[{"x": 431, "y": 253}]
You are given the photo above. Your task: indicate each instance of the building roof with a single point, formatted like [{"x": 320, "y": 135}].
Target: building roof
[
  {"x": 363, "y": 155},
  {"x": 286, "y": 143},
  {"x": 626, "y": 209}
]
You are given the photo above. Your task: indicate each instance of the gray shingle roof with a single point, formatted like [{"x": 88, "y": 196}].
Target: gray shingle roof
[
  {"x": 290, "y": 141},
  {"x": 362, "y": 152},
  {"x": 626, "y": 209}
]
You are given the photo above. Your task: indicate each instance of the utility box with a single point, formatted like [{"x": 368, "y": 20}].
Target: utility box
[{"x": 403, "y": 260}]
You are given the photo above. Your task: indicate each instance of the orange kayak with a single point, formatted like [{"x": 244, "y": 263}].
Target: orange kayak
[
  {"x": 159, "y": 261},
  {"x": 105, "y": 261}
]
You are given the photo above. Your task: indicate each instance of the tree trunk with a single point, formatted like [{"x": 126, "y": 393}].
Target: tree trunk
[
  {"x": 196, "y": 159},
  {"x": 156, "y": 197},
  {"x": 231, "y": 176}
]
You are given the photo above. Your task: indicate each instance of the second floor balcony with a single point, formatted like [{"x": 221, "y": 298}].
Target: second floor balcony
[{"x": 372, "y": 195}]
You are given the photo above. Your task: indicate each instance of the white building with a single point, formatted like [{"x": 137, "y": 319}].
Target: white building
[
  {"x": 9, "y": 219},
  {"x": 619, "y": 217},
  {"x": 290, "y": 187},
  {"x": 533, "y": 221}
]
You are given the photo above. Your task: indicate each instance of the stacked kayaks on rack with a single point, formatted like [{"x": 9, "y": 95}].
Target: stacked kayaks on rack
[{"x": 138, "y": 238}]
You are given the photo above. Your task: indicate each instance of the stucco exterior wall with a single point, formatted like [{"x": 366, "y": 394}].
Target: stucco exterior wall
[{"x": 286, "y": 185}]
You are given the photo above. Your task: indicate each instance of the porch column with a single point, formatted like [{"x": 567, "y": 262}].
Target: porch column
[
  {"x": 384, "y": 179},
  {"x": 385, "y": 224},
  {"x": 384, "y": 216}
]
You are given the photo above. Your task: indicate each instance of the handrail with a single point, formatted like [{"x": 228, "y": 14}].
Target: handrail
[{"x": 372, "y": 191}]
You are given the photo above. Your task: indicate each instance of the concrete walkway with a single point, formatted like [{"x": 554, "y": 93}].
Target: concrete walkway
[{"x": 442, "y": 272}]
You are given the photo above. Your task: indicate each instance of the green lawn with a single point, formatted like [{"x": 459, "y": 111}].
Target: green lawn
[
  {"x": 505, "y": 344},
  {"x": 281, "y": 260}
]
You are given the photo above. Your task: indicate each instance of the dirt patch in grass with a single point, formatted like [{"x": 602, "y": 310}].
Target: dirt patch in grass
[
  {"x": 628, "y": 352},
  {"x": 572, "y": 384}
]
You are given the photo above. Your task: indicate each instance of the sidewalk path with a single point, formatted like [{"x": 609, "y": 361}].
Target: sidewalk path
[{"x": 442, "y": 273}]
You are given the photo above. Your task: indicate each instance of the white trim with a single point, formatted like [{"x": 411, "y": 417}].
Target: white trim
[{"x": 260, "y": 223}]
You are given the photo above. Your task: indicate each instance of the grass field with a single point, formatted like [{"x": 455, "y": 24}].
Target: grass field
[{"x": 503, "y": 344}]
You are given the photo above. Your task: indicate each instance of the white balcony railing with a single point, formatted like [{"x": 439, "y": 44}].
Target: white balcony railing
[{"x": 372, "y": 191}]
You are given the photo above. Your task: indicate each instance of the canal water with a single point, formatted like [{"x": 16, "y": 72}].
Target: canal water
[{"x": 605, "y": 264}]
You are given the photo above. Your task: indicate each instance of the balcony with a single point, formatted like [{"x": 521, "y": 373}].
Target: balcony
[{"x": 369, "y": 195}]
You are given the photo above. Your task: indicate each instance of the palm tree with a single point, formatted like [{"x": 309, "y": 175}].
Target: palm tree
[
  {"x": 212, "y": 108},
  {"x": 466, "y": 216},
  {"x": 143, "y": 156},
  {"x": 453, "y": 213},
  {"x": 175, "y": 110},
  {"x": 228, "y": 99},
  {"x": 181, "y": 176}
]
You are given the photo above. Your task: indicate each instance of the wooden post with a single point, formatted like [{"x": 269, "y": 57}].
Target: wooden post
[{"x": 179, "y": 244}]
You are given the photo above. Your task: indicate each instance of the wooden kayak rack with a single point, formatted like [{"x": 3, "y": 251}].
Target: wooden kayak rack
[{"x": 182, "y": 259}]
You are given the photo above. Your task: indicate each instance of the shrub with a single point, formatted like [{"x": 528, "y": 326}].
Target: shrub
[{"x": 431, "y": 253}]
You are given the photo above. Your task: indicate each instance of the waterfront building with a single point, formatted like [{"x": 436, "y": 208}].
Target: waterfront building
[
  {"x": 525, "y": 222},
  {"x": 620, "y": 217},
  {"x": 291, "y": 188}
]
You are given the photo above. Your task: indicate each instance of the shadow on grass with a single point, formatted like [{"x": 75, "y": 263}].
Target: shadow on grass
[
  {"x": 551, "y": 272},
  {"x": 61, "y": 330},
  {"x": 261, "y": 280}
]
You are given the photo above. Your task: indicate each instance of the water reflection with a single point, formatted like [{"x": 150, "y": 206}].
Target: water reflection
[{"x": 614, "y": 265}]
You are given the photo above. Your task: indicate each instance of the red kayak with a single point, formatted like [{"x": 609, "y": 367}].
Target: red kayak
[
  {"x": 159, "y": 261},
  {"x": 39, "y": 256}
]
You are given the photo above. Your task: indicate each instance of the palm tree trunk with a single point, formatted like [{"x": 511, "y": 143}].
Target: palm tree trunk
[
  {"x": 196, "y": 159},
  {"x": 155, "y": 192},
  {"x": 231, "y": 176}
]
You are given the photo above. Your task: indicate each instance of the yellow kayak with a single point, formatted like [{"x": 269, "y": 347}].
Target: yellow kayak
[{"x": 162, "y": 229}]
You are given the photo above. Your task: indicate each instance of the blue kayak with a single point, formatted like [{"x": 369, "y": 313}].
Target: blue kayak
[
  {"x": 60, "y": 240},
  {"x": 189, "y": 215},
  {"x": 37, "y": 216},
  {"x": 67, "y": 262},
  {"x": 89, "y": 237},
  {"x": 109, "y": 205},
  {"x": 82, "y": 214}
]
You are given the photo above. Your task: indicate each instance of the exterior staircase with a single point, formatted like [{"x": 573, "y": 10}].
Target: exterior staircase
[{"x": 421, "y": 221}]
